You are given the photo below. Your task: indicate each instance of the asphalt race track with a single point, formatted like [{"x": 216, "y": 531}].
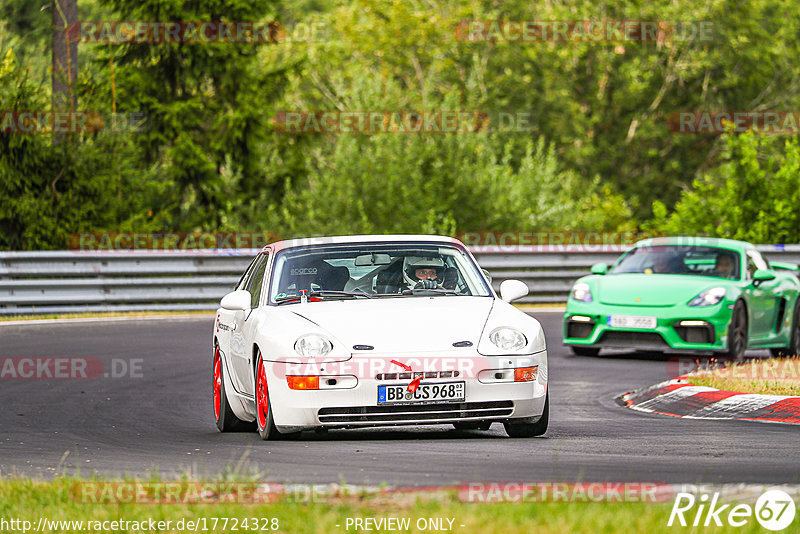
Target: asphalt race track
[{"x": 161, "y": 420}]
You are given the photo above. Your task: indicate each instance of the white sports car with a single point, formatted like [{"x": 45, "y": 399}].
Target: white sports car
[{"x": 346, "y": 332}]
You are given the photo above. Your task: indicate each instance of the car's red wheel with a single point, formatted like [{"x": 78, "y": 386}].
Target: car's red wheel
[
  {"x": 217, "y": 387},
  {"x": 223, "y": 414},
  {"x": 264, "y": 422}
]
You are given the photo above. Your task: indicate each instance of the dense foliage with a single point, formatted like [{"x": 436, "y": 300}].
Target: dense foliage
[{"x": 595, "y": 154}]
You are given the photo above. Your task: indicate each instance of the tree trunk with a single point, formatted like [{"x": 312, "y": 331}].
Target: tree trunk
[{"x": 65, "y": 56}]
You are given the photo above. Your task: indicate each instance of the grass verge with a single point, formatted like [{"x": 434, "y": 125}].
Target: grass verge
[
  {"x": 57, "y": 500},
  {"x": 773, "y": 376}
]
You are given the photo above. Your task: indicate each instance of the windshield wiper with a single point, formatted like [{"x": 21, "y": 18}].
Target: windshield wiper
[
  {"x": 439, "y": 291},
  {"x": 323, "y": 293}
]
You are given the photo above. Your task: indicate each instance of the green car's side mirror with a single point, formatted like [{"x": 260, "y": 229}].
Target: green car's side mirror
[
  {"x": 762, "y": 275},
  {"x": 599, "y": 268}
]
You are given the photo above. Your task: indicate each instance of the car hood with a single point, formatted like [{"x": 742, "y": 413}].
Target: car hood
[
  {"x": 636, "y": 289},
  {"x": 403, "y": 324}
]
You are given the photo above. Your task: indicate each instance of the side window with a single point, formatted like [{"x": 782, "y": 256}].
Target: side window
[
  {"x": 759, "y": 260},
  {"x": 754, "y": 261},
  {"x": 243, "y": 280},
  {"x": 255, "y": 282}
]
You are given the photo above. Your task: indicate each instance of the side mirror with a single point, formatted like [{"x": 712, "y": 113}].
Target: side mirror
[
  {"x": 511, "y": 290},
  {"x": 488, "y": 275},
  {"x": 762, "y": 275},
  {"x": 599, "y": 268},
  {"x": 236, "y": 300}
]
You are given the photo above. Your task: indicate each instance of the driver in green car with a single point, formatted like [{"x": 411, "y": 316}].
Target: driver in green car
[{"x": 725, "y": 265}]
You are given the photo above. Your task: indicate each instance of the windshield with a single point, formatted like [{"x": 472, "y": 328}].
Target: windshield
[
  {"x": 680, "y": 259},
  {"x": 369, "y": 270}
]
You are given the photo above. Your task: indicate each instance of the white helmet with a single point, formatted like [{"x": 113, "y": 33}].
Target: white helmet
[{"x": 412, "y": 263}]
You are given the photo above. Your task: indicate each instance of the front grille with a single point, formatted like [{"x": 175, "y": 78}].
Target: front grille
[
  {"x": 579, "y": 330},
  {"x": 413, "y": 413},
  {"x": 633, "y": 339}
]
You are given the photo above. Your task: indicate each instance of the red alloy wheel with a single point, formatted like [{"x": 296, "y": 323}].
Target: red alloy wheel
[
  {"x": 217, "y": 384},
  {"x": 261, "y": 394}
]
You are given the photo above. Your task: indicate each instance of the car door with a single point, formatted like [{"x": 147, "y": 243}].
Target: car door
[
  {"x": 763, "y": 300},
  {"x": 245, "y": 325},
  {"x": 225, "y": 331}
]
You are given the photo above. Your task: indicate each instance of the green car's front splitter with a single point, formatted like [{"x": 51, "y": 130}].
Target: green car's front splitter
[{"x": 660, "y": 328}]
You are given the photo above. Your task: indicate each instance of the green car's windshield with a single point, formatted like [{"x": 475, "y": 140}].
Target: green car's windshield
[
  {"x": 680, "y": 259},
  {"x": 370, "y": 270}
]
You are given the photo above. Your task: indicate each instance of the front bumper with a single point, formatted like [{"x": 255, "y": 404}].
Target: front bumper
[
  {"x": 707, "y": 328},
  {"x": 487, "y": 398}
]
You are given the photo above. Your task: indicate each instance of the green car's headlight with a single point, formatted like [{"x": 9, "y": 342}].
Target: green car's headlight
[
  {"x": 581, "y": 291},
  {"x": 506, "y": 338},
  {"x": 312, "y": 346},
  {"x": 709, "y": 297}
]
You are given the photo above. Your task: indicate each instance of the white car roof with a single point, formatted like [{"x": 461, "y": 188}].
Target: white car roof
[{"x": 347, "y": 239}]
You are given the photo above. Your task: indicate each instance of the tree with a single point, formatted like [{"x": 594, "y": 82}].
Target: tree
[{"x": 753, "y": 195}]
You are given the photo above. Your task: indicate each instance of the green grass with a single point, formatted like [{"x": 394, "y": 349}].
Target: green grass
[
  {"x": 28, "y": 499},
  {"x": 773, "y": 376}
]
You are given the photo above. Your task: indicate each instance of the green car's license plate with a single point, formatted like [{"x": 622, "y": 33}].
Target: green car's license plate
[{"x": 632, "y": 321}]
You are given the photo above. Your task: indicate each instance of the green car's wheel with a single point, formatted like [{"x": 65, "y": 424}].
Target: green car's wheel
[
  {"x": 794, "y": 348},
  {"x": 584, "y": 351},
  {"x": 737, "y": 332}
]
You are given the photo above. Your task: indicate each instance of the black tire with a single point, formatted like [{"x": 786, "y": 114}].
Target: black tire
[
  {"x": 225, "y": 418},
  {"x": 737, "y": 332},
  {"x": 473, "y": 425},
  {"x": 265, "y": 424},
  {"x": 529, "y": 430},
  {"x": 794, "y": 348},
  {"x": 584, "y": 351}
]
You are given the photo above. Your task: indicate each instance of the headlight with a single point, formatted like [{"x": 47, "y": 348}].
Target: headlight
[
  {"x": 506, "y": 338},
  {"x": 582, "y": 292},
  {"x": 709, "y": 297},
  {"x": 312, "y": 346}
]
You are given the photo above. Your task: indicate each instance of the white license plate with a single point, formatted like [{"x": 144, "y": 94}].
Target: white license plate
[
  {"x": 440, "y": 392},
  {"x": 632, "y": 321}
]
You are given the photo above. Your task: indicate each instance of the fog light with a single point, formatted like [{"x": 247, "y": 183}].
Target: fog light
[
  {"x": 303, "y": 382},
  {"x": 525, "y": 374},
  {"x": 580, "y": 319},
  {"x": 693, "y": 323}
]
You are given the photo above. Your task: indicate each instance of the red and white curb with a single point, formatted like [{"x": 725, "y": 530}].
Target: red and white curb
[{"x": 679, "y": 398}]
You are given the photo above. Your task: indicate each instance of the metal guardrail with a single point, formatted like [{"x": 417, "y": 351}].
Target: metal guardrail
[{"x": 76, "y": 281}]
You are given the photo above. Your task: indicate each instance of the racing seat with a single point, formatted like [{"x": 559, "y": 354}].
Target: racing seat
[
  {"x": 390, "y": 280},
  {"x": 334, "y": 278},
  {"x": 450, "y": 278}
]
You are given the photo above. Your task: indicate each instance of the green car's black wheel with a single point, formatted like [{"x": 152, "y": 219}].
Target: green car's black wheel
[
  {"x": 584, "y": 351},
  {"x": 794, "y": 348},
  {"x": 737, "y": 332}
]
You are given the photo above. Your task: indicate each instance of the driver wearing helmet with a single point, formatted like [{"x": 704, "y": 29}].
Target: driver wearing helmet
[{"x": 422, "y": 273}]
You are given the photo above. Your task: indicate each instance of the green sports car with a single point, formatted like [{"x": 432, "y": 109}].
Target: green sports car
[{"x": 686, "y": 294}]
